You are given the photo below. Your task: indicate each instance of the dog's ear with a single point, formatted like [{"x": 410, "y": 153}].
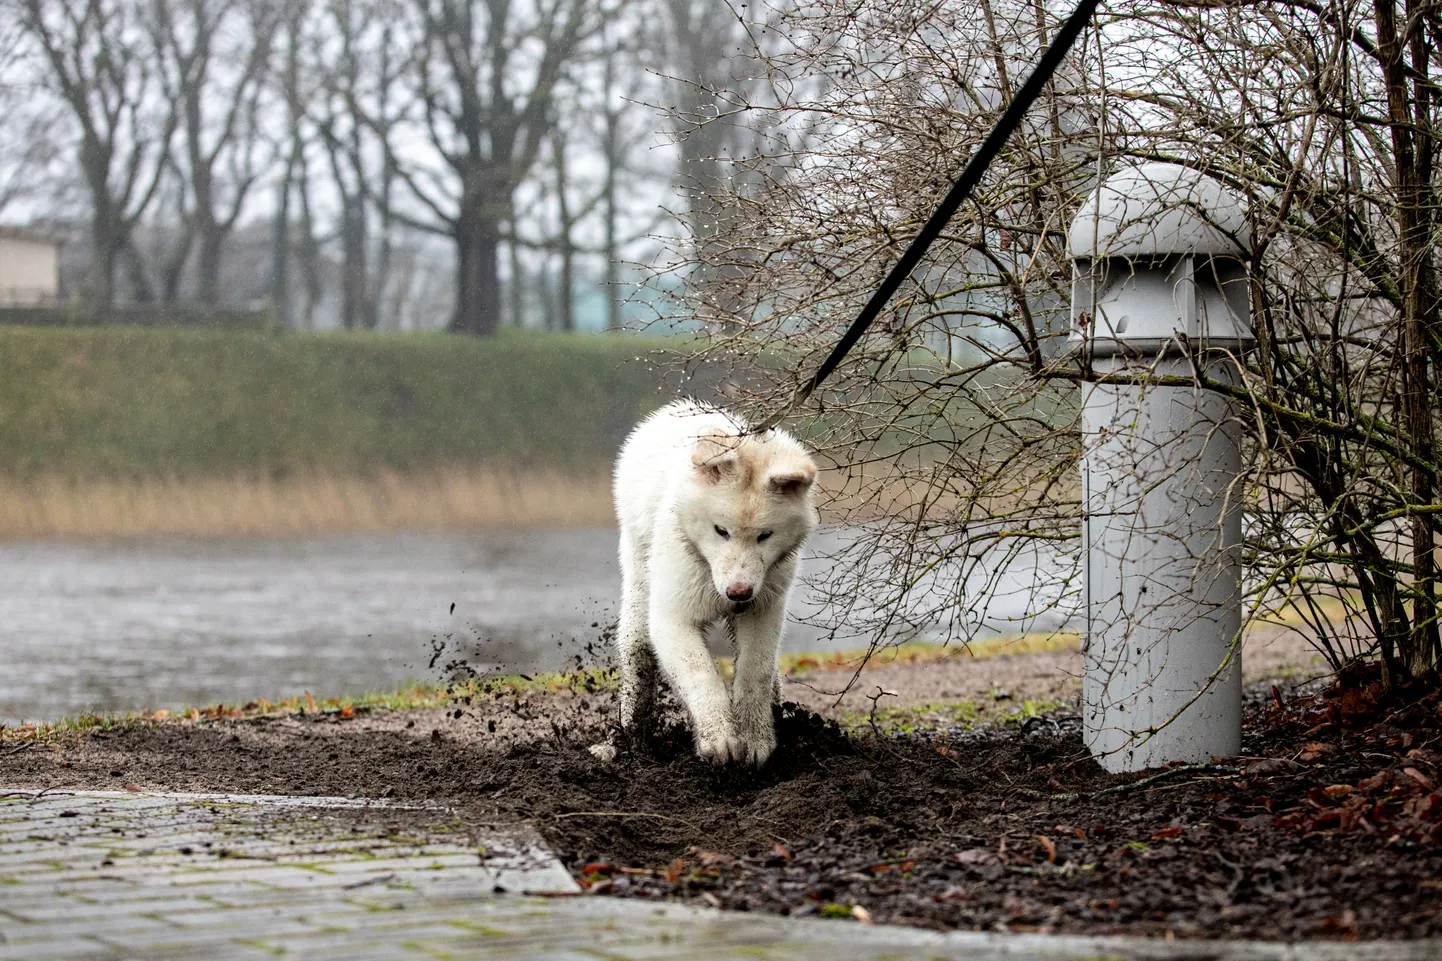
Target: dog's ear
[
  {"x": 793, "y": 480},
  {"x": 714, "y": 455}
]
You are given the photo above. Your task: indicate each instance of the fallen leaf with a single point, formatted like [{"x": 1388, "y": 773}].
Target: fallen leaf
[
  {"x": 781, "y": 851},
  {"x": 674, "y": 871},
  {"x": 347, "y": 712},
  {"x": 1337, "y": 790},
  {"x": 861, "y": 914},
  {"x": 1419, "y": 777},
  {"x": 1166, "y": 833},
  {"x": 1050, "y": 846},
  {"x": 1374, "y": 782},
  {"x": 309, "y": 702},
  {"x": 709, "y": 858}
]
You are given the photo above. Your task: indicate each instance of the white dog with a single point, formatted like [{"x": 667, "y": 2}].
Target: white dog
[{"x": 712, "y": 518}]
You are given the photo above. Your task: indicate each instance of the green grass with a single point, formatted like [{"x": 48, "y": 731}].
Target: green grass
[
  {"x": 944, "y": 715},
  {"x": 135, "y": 402},
  {"x": 918, "y": 652},
  {"x": 414, "y": 695}
]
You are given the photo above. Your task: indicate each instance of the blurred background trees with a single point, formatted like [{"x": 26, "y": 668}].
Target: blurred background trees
[{"x": 359, "y": 163}]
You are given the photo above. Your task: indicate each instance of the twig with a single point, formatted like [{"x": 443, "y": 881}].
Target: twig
[
  {"x": 1132, "y": 785},
  {"x": 624, "y": 814}
]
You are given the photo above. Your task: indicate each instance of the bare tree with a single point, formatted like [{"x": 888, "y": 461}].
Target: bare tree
[
  {"x": 707, "y": 43},
  {"x": 626, "y": 125},
  {"x": 96, "y": 57},
  {"x": 214, "y": 59},
  {"x": 359, "y": 63},
  {"x": 487, "y": 74},
  {"x": 291, "y": 143},
  {"x": 566, "y": 218},
  {"x": 28, "y": 142}
]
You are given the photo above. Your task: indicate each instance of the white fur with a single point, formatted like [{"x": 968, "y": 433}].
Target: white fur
[{"x": 683, "y": 473}]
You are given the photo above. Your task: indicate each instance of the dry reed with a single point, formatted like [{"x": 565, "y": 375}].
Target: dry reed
[
  {"x": 324, "y": 503},
  {"x": 307, "y": 504}
]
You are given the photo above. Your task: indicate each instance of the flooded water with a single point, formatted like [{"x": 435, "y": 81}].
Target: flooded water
[{"x": 169, "y": 623}]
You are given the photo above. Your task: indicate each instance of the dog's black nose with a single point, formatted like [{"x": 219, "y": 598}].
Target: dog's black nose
[{"x": 738, "y": 592}]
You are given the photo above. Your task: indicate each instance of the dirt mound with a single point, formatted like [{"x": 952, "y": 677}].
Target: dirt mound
[{"x": 1015, "y": 827}]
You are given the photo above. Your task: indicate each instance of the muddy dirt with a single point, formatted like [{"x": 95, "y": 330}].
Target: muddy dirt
[{"x": 1329, "y": 826}]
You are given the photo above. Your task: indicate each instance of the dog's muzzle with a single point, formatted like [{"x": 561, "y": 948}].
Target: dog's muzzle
[{"x": 741, "y": 607}]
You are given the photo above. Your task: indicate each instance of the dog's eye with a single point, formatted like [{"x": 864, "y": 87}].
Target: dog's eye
[
  {"x": 762, "y": 536},
  {"x": 725, "y": 534}
]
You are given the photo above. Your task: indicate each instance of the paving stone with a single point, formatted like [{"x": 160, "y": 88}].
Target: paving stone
[
  {"x": 122, "y": 925},
  {"x": 299, "y": 883}
]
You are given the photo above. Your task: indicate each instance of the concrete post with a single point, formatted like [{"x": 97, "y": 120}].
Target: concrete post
[{"x": 1159, "y": 288}]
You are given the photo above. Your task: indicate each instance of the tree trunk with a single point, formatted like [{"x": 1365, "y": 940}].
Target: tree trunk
[
  {"x": 1411, "y": 146},
  {"x": 384, "y": 253},
  {"x": 613, "y": 280},
  {"x": 212, "y": 240},
  {"x": 142, "y": 291},
  {"x": 478, "y": 279},
  {"x": 565, "y": 301},
  {"x": 172, "y": 271},
  {"x": 280, "y": 248},
  {"x": 517, "y": 307},
  {"x": 309, "y": 248},
  {"x": 355, "y": 295},
  {"x": 102, "y": 242},
  {"x": 611, "y": 148}
]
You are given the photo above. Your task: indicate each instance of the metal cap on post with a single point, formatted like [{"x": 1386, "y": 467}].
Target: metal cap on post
[
  {"x": 1157, "y": 251},
  {"x": 1159, "y": 290}
]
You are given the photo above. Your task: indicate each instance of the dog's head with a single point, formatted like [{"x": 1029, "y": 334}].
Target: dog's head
[{"x": 747, "y": 506}]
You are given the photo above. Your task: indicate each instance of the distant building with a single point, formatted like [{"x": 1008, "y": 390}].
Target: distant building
[{"x": 29, "y": 268}]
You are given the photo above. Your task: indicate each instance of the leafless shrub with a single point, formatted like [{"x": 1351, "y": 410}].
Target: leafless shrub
[{"x": 1321, "y": 114}]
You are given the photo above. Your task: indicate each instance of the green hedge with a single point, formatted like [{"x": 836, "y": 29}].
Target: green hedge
[
  {"x": 224, "y": 318},
  {"x": 128, "y": 402}
]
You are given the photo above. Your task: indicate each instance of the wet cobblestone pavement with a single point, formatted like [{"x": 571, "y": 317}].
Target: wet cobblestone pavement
[{"x": 136, "y": 877}]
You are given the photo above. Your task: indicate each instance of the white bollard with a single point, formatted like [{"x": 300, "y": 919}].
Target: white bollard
[{"x": 1160, "y": 289}]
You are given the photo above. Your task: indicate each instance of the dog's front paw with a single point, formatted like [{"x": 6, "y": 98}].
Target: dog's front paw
[
  {"x": 719, "y": 747},
  {"x": 757, "y": 746}
]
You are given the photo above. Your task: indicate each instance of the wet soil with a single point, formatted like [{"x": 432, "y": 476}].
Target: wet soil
[{"x": 1329, "y": 826}]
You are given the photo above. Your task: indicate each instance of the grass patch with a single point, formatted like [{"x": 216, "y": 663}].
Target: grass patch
[
  {"x": 415, "y": 695},
  {"x": 798, "y": 665},
  {"x": 418, "y": 695},
  {"x": 946, "y": 715}
]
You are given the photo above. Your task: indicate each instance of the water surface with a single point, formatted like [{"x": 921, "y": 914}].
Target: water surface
[{"x": 138, "y": 623}]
